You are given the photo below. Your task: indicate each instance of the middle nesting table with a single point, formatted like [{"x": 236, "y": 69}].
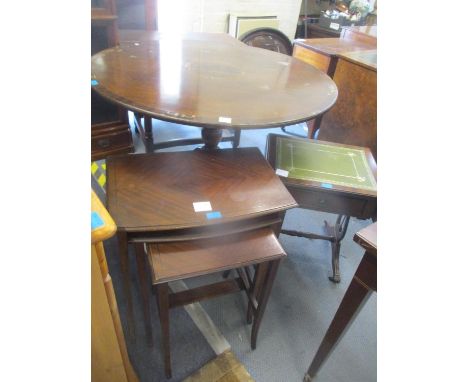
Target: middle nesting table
[{"x": 155, "y": 198}]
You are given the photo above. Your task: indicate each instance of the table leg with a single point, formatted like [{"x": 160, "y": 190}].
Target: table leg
[
  {"x": 259, "y": 280},
  {"x": 125, "y": 270},
  {"x": 236, "y": 141},
  {"x": 335, "y": 235},
  {"x": 264, "y": 295},
  {"x": 338, "y": 233},
  {"x": 148, "y": 122},
  {"x": 211, "y": 137},
  {"x": 162, "y": 291},
  {"x": 361, "y": 287},
  {"x": 312, "y": 127},
  {"x": 144, "y": 289}
]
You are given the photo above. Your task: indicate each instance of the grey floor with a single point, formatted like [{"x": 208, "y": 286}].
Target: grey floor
[{"x": 302, "y": 304}]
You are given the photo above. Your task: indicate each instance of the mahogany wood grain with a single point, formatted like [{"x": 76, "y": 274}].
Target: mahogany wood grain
[
  {"x": 151, "y": 198},
  {"x": 180, "y": 260},
  {"x": 156, "y": 192},
  {"x": 197, "y": 80}
]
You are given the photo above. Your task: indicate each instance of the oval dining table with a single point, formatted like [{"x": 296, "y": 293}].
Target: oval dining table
[{"x": 209, "y": 80}]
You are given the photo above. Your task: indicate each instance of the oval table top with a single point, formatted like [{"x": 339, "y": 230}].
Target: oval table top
[{"x": 208, "y": 81}]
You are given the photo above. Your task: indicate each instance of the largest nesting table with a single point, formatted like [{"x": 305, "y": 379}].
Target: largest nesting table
[{"x": 155, "y": 198}]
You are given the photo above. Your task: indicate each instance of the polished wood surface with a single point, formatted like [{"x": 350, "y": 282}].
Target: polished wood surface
[
  {"x": 153, "y": 192},
  {"x": 353, "y": 119},
  {"x": 179, "y": 260},
  {"x": 202, "y": 81},
  {"x": 151, "y": 198},
  {"x": 136, "y": 35},
  {"x": 364, "y": 282},
  {"x": 174, "y": 261}
]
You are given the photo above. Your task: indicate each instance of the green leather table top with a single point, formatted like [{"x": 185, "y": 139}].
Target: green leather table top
[{"x": 324, "y": 163}]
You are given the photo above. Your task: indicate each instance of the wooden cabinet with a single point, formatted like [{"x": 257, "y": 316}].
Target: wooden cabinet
[
  {"x": 323, "y": 53},
  {"x": 110, "y": 132},
  {"x": 356, "y": 46},
  {"x": 353, "y": 119}
]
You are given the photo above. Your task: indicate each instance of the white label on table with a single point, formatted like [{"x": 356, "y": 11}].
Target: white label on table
[
  {"x": 335, "y": 26},
  {"x": 224, "y": 119},
  {"x": 283, "y": 173},
  {"x": 202, "y": 206}
]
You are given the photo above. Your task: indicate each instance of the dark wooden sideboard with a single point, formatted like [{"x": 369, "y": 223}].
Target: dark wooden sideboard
[{"x": 110, "y": 132}]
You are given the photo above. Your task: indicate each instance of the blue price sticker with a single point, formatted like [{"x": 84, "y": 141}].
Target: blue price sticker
[
  {"x": 327, "y": 185},
  {"x": 96, "y": 220},
  {"x": 214, "y": 215},
  {"x": 94, "y": 82}
]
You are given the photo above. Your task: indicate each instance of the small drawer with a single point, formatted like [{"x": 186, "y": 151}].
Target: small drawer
[
  {"x": 334, "y": 202},
  {"x": 113, "y": 143}
]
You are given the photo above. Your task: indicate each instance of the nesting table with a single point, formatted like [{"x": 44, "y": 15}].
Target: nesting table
[{"x": 177, "y": 196}]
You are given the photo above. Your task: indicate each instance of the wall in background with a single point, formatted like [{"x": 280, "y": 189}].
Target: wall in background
[{"x": 182, "y": 16}]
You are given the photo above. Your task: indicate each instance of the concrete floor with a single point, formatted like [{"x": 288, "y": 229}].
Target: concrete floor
[{"x": 302, "y": 304}]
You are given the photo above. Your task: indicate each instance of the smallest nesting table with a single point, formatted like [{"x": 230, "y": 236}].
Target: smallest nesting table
[{"x": 182, "y": 260}]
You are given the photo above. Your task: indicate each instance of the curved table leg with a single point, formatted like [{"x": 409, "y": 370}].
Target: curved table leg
[{"x": 338, "y": 233}]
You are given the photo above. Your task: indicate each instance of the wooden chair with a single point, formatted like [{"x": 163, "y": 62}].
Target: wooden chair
[{"x": 185, "y": 259}]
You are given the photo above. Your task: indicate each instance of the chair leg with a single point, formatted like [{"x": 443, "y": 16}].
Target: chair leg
[
  {"x": 264, "y": 295},
  {"x": 144, "y": 289},
  {"x": 162, "y": 291}
]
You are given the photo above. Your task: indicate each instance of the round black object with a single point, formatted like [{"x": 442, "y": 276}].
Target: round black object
[{"x": 268, "y": 38}]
